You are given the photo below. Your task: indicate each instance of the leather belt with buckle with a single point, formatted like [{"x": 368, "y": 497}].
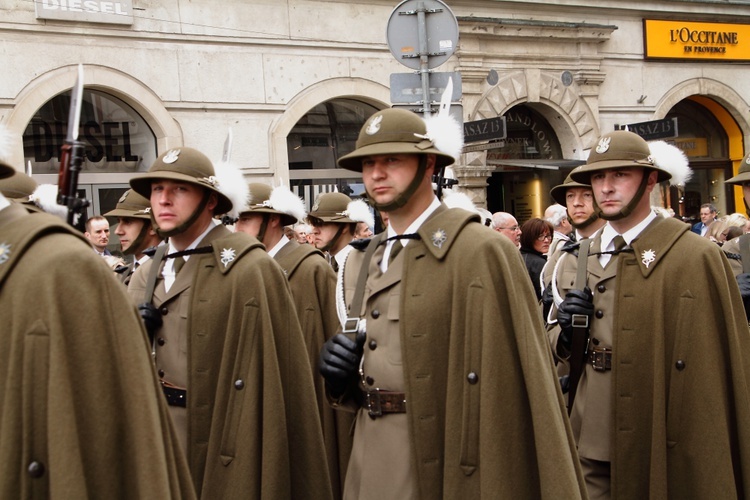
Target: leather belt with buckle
[
  {"x": 380, "y": 402},
  {"x": 175, "y": 396},
  {"x": 600, "y": 358}
]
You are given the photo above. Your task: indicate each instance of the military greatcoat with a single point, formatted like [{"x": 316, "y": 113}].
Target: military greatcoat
[
  {"x": 679, "y": 388},
  {"x": 251, "y": 422},
  {"x": 484, "y": 415},
  {"x": 313, "y": 285},
  {"x": 81, "y": 414}
]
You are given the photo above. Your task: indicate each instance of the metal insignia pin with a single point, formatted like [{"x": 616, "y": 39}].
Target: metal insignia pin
[
  {"x": 227, "y": 256},
  {"x": 439, "y": 237},
  {"x": 171, "y": 156},
  {"x": 603, "y": 145},
  {"x": 374, "y": 126},
  {"x": 647, "y": 257},
  {"x": 4, "y": 253}
]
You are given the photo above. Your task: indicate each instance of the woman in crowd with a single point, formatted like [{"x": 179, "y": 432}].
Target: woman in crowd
[{"x": 536, "y": 236}]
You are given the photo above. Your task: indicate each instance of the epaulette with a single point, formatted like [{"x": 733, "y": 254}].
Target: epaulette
[
  {"x": 360, "y": 244},
  {"x": 733, "y": 256}
]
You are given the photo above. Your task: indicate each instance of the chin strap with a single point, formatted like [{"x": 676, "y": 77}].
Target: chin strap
[
  {"x": 335, "y": 238},
  {"x": 633, "y": 202},
  {"x": 183, "y": 227},
  {"x": 592, "y": 218},
  {"x": 402, "y": 198},
  {"x": 134, "y": 248}
]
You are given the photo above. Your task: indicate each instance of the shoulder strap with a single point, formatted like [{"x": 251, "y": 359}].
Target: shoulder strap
[
  {"x": 745, "y": 252},
  {"x": 580, "y": 336},
  {"x": 351, "y": 327},
  {"x": 153, "y": 272},
  {"x": 583, "y": 258}
]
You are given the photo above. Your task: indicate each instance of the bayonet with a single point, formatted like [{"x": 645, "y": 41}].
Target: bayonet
[
  {"x": 71, "y": 156},
  {"x": 227, "y": 147}
]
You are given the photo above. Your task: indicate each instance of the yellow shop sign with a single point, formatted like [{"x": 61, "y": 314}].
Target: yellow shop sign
[{"x": 693, "y": 40}]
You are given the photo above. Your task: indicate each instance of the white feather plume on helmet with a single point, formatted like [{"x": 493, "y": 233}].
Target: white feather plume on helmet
[
  {"x": 45, "y": 197},
  {"x": 233, "y": 185},
  {"x": 359, "y": 211},
  {"x": 283, "y": 200},
  {"x": 671, "y": 159}
]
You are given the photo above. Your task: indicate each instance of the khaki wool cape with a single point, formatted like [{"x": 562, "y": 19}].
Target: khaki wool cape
[
  {"x": 262, "y": 440},
  {"x": 313, "y": 284},
  {"x": 467, "y": 307},
  {"x": 78, "y": 392}
]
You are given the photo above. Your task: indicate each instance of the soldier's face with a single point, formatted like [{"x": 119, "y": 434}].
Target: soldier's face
[
  {"x": 323, "y": 234},
  {"x": 387, "y": 176},
  {"x": 249, "y": 223},
  {"x": 173, "y": 202},
  {"x": 99, "y": 234},
  {"x": 128, "y": 229},
  {"x": 580, "y": 204},
  {"x": 615, "y": 188}
]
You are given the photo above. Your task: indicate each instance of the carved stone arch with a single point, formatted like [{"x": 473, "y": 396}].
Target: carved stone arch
[
  {"x": 721, "y": 93},
  {"x": 569, "y": 115},
  {"x": 112, "y": 81},
  {"x": 360, "y": 89}
]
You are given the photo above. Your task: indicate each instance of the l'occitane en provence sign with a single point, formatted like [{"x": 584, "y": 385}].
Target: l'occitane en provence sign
[{"x": 697, "y": 41}]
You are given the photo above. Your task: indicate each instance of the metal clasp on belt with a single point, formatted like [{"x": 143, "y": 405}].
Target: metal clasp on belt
[
  {"x": 351, "y": 325},
  {"x": 601, "y": 359},
  {"x": 372, "y": 403},
  {"x": 579, "y": 320}
]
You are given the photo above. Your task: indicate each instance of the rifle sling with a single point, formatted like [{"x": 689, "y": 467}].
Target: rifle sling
[
  {"x": 153, "y": 272},
  {"x": 359, "y": 291},
  {"x": 745, "y": 252},
  {"x": 580, "y": 334}
]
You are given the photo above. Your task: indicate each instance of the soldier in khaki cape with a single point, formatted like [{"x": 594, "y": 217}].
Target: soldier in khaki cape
[
  {"x": 334, "y": 219},
  {"x": 81, "y": 414},
  {"x": 446, "y": 361},
  {"x": 231, "y": 358},
  {"x": 135, "y": 230},
  {"x": 657, "y": 357},
  {"x": 313, "y": 285}
]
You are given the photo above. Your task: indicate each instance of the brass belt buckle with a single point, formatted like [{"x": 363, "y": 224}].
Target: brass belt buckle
[{"x": 599, "y": 359}]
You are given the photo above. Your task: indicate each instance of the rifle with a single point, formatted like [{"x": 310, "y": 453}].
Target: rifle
[{"x": 71, "y": 157}]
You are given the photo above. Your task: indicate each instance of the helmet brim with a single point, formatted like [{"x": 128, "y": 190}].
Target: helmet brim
[
  {"x": 353, "y": 160},
  {"x": 583, "y": 173}
]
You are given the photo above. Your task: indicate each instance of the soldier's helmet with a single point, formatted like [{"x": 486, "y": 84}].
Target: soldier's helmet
[
  {"x": 340, "y": 209},
  {"x": 398, "y": 131},
  {"x": 279, "y": 200},
  {"x": 131, "y": 204},
  {"x": 618, "y": 149},
  {"x": 185, "y": 165},
  {"x": 558, "y": 192},
  {"x": 18, "y": 186},
  {"x": 744, "y": 174}
]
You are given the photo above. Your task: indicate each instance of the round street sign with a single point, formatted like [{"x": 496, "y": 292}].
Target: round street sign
[{"x": 441, "y": 30}]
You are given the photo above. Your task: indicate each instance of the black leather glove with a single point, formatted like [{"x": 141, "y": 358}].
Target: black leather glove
[
  {"x": 576, "y": 302},
  {"x": 564, "y": 383},
  {"x": 151, "y": 318},
  {"x": 547, "y": 301},
  {"x": 743, "y": 280},
  {"x": 339, "y": 361}
]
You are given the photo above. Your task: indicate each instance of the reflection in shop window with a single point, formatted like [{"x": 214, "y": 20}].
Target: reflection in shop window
[{"x": 117, "y": 138}]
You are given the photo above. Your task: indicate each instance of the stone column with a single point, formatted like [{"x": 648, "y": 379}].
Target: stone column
[{"x": 472, "y": 177}]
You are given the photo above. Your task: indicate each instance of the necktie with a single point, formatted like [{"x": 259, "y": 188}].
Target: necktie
[
  {"x": 179, "y": 261},
  {"x": 334, "y": 263},
  {"x": 395, "y": 249}
]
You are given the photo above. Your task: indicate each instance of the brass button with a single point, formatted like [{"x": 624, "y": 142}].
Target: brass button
[
  {"x": 595, "y": 341},
  {"x": 599, "y": 314},
  {"x": 373, "y": 345},
  {"x": 239, "y": 384},
  {"x": 680, "y": 365},
  {"x": 369, "y": 380},
  {"x": 601, "y": 288},
  {"x": 164, "y": 311},
  {"x": 36, "y": 469},
  {"x": 375, "y": 314},
  {"x": 473, "y": 378},
  {"x": 161, "y": 373},
  {"x": 161, "y": 341}
]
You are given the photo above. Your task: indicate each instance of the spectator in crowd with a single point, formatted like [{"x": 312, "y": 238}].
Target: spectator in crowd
[
  {"x": 557, "y": 215},
  {"x": 362, "y": 231},
  {"x": 507, "y": 225},
  {"x": 708, "y": 216},
  {"x": 97, "y": 232},
  {"x": 301, "y": 232},
  {"x": 536, "y": 236}
]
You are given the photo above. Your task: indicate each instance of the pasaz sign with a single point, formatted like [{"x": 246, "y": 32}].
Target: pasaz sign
[
  {"x": 485, "y": 130},
  {"x": 656, "y": 129}
]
